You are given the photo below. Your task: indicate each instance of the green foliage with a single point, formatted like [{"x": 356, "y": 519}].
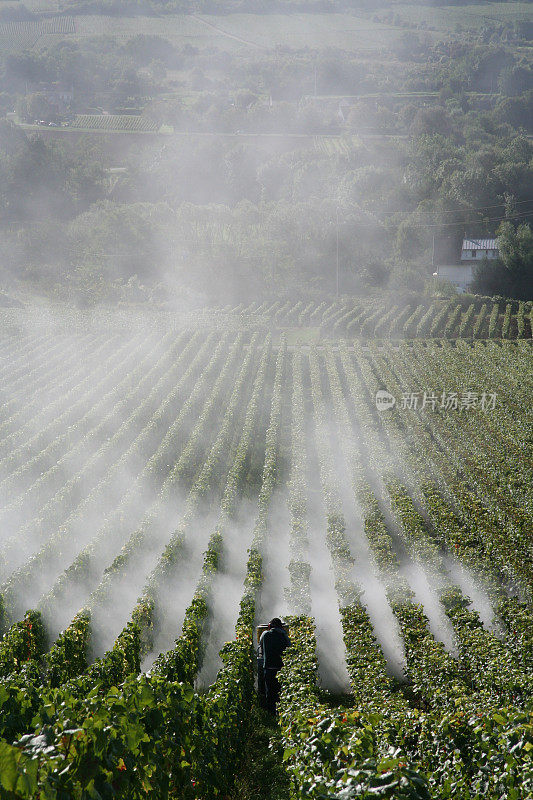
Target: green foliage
[
  {"x": 334, "y": 753},
  {"x": 493, "y": 321},
  {"x": 432, "y": 488},
  {"x": 68, "y": 657},
  {"x": 466, "y": 322},
  {"x": 112, "y": 669},
  {"x": 262, "y": 774},
  {"x": 183, "y": 661},
  {"x": 347, "y": 752},
  {"x": 480, "y": 321},
  {"x": 506, "y": 325},
  {"x": 24, "y": 642},
  {"x": 464, "y": 317},
  {"x": 512, "y": 274},
  {"x": 449, "y": 328},
  {"x": 134, "y": 741},
  {"x": 20, "y": 698},
  {"x": 228, "y": 218},
  {"x": 222, "y": 730}
]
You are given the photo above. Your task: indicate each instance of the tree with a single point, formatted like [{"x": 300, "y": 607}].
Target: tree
[
  {"x": 430, "y": 121},
  {"x": 144, "y": 49},
  {"x": 409, "y": 244},
  {"x": 119, "y": 241},
  {"x": 516, "y": 250},
  {"x": 516, "y": 80},
  {"x": 35, "y": 107},
  {"x": 517, "y": 110},
  {"x": 511, "y": 274}
]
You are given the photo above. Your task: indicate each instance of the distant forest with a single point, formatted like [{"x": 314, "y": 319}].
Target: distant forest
[{"x": 256, "y": 186}]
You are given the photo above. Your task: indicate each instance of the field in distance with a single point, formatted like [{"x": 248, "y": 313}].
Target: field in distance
[{"x": 262, "y": 31}]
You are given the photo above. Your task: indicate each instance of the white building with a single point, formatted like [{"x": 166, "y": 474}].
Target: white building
[
  {"x": 473, "y": 250},
  {"x": 478, "y": 249}
]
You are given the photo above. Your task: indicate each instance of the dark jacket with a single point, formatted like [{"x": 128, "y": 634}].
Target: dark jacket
[{"x": 272, "y": 643}]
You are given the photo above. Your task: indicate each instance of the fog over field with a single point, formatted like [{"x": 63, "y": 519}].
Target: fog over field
[{"x": 95, "y": 487}]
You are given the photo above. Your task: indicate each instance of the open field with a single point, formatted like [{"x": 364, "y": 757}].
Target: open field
[
  {"x": 263, "y": 31},
  {"x": 232, "y": 31},
  {"x": 467, "y": 17},
  {"x": 167, "y": 484},
  {"x": 260, "y": 32},
  {"x": 248, "y": 31},
  {"x": 361, "y": 33}
]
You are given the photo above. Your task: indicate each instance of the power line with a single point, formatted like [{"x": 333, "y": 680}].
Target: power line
[
  {"x": 515, "y": 217},
  {"x": 455, "y": 210},
  {"x": 521, "y": 215}
]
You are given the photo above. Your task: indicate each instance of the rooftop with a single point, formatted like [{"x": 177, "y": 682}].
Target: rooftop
[{"x": 480, "y": 244}]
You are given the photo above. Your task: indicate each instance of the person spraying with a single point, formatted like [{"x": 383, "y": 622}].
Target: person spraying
[{"x": 272, "y": 643}]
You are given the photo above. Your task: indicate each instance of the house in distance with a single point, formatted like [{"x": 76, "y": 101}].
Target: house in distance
[
  {"x": 478, "y": 249},
  {"x": 472, "y": 252}
]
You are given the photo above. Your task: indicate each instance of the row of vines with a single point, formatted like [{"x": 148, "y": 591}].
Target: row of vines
[
  {"x": 375, "y": 319},
  {"x": 126, "y": 472}
]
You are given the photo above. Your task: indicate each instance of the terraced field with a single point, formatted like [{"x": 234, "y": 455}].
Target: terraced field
[{"x": 166, "y": 486}]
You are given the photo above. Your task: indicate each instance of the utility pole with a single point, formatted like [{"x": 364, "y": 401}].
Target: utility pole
[
  {"x": 337, "y": 215},
  {"x": 435, "y": 273}
]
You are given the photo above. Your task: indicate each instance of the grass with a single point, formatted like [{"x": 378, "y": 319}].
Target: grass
[{"x": 262, "y": 775}]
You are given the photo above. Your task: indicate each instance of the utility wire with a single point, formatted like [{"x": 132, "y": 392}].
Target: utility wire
[
  {"x": 457, "y": 210},
  {"x": 515, "y": 217},
  {"x": 510, "y": 218}
]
